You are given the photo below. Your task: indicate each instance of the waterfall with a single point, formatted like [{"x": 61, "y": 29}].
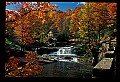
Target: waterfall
[{"x": 64, "y": 50}]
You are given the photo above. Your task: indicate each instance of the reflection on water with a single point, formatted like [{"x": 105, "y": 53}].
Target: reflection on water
[{"x": 67, "y": 69}]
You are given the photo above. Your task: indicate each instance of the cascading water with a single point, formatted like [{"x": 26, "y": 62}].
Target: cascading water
[{"x": 64, "y": 50}]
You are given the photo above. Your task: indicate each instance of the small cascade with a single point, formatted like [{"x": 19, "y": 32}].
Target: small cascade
[{"x": 66, "y": 51}]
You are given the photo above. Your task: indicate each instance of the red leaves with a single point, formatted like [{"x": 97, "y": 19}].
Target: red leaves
[
  {"x": 40, "y": 69},
  {"x": 8, "y": 3},
  {"x": 26, "y": 75},
  {"x": 96, "y": 13},
  {"x": 112, "y": 8},
  {"x": 32, "y": 68},
  {"x": 17, "y": 63},
  {"x": 12, "y": 63},
  {"x": 11, "y": 15}
]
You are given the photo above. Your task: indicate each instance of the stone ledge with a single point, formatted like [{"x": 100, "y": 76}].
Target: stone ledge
[
  {"x": 105, "y": 63},
  {"x": 103, "y": 69}
]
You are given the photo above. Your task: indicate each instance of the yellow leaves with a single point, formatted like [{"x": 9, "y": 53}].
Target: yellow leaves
[
  {"x": 67, "y": 17},
  {"x": 83, "y": 10},
  {"x": 82, "y": 33},
  {"x": 13, "y": 17},
  {"x": 19, "y": 22},
  {"x": 12, "y": 25},
  {"x": 18, "y": 32},
  {"x": 96, "y": 14},
  {"x": 25, "y": 5},
  {"x": 84, "y": 16},
  {"x": 50, "y": 14},
  {"x": 71, "y": 21},
  {"x": 40, "y": 14},
  {"x": 33, "y": 9},
  {"x": 109, "y": 25},
  {"x": 43, "y": 21},
  {"x": 73, "y": 15},
  {"x": 34, "y": 35}
]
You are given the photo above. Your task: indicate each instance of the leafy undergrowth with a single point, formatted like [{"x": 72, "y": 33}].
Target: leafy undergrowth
[{"x": 30, "y": 69}]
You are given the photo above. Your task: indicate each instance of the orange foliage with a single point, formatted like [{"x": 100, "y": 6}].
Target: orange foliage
[
  {"x": 91, "y": 14},
  {"x": 32, "y": 68},
  {"x": 26, "y": 16}
]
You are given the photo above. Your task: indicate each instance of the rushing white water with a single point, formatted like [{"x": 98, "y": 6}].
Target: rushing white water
[{"x": 64, "y": 51}]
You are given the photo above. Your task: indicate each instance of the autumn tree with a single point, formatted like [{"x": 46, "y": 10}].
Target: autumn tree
[
  {"x": 33, "y": 21},
  {"x": 91, "y": 19},
  {"x": 101, "y": 17},
  {"x": 26, "y": 16}
]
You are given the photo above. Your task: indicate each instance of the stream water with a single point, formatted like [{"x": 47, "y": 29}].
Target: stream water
[{"x": 67, "y": 69}]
